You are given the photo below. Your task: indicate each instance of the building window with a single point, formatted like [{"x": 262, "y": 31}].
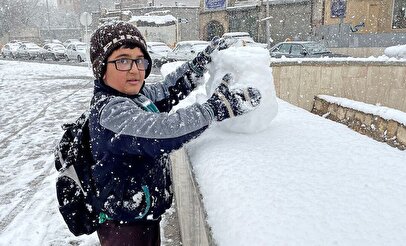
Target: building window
[{"x": 399, "y": 14}]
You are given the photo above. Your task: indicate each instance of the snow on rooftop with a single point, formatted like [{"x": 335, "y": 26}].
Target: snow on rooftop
[{"x": 157, "y": 19}]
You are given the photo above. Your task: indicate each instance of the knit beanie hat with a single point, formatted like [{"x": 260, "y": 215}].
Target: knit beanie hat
[{"x": 110, "y": 37}]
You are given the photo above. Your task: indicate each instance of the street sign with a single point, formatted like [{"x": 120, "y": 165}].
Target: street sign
[
  {"x": 215, "y": 4},
  {"x": 86, "y": 19}
]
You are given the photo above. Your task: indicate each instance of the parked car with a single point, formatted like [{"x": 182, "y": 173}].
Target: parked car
[
  {"x": 70, "y": 41},
  {"x": 301, "y": 49},
  {"x": 76, "y": 51},
  {"x": 186, "y": 50},
  {"x": 242, "y": 39},
  {"x": 158, "y": 52},
  {"x": 28, "y": 51},
  {"x": 9, "y": 49},
  {"x": 53, "y": 51}
]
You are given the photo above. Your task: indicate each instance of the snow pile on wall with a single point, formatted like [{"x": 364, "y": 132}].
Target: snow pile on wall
[{"x": 398, "y": 51}]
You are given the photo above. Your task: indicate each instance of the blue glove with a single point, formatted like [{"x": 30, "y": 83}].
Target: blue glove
[
  {"x": 198, "y": 64},
  {"x": 227, "y": 103}
]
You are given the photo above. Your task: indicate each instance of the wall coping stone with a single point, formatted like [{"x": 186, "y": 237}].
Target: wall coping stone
[
  {"x": 336, "y": 62},
  {"x": 389, "y": 131}
]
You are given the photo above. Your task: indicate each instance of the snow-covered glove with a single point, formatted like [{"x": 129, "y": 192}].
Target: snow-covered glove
[
  {"x": 227, "y": 103},
  {"x": 183, "y": 87},
  {"x": 198, "y": 64}
]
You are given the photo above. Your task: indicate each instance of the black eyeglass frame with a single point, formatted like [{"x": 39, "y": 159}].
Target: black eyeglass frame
[{"x": 145, "y": 61}]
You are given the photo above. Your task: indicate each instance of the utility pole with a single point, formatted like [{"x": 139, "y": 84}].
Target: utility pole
[
  {"x": 121, "y": 9},
  {"x": 268, "y": 34},
  {"x": 49, "y": 22}
]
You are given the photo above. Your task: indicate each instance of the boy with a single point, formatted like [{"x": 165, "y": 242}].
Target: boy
[{"x": 132, "y": 133}]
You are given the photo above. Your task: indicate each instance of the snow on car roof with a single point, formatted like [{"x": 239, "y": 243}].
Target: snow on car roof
[
  {"x": 236, "y": 34},
  {"x": 155, "y": 43},
  {"x": 193, "y": 42}
]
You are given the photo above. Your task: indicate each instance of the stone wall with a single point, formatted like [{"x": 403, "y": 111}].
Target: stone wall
[
  {"x": 191, "y": 213},
  {"x": 380, "y": 129},
  {"x": 368, "y": 81}
]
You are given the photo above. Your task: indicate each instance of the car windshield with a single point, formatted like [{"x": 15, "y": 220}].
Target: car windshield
[{"x": 315, "y": 48}]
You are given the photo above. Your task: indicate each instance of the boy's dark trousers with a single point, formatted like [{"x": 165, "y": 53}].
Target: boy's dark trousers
[{"x": 143, "y": 233}]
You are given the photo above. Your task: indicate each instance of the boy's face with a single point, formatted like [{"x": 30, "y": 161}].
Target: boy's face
[{"x": 127, "y": 82}]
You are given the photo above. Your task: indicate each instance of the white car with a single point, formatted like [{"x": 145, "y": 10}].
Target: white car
[
  {"x": 186, "y": 50},
  {"x": 76, "y": 51},
  {"x": 158, "y": 52},
  {"x": 53, "y": 51},
  {"x": 28, "y": 51},
  {"x": 9, "y": 49},
  {"x": 242, "y": 39}
]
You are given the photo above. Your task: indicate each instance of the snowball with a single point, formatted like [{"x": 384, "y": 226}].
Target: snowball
[{"x": 249, "y": 66}]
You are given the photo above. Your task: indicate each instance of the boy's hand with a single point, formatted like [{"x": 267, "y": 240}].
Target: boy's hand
[{"x": 227, "y": 103}]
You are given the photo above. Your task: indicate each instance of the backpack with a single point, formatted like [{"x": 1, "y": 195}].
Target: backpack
[{"x": 75, "y": 187}]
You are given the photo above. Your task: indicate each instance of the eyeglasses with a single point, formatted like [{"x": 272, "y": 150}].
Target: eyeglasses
[{"x": 125, "y": 64}]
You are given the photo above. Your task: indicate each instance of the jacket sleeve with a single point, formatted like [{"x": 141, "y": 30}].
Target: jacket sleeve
[
  {"x": 175, "y": 86},
  {"x": 146, "y": 133}
]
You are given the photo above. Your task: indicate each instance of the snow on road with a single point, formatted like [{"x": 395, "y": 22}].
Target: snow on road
[{"x": 35, "y": 100}]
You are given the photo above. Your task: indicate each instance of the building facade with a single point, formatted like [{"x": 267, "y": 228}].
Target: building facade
[
  {"x": 187, "y": 16},
  {"x": 287, "y": 18},
  {"x": 361, "y": 23}
]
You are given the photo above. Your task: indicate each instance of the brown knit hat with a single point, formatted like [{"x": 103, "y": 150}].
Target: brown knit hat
[{"x": 110, "y": 37}]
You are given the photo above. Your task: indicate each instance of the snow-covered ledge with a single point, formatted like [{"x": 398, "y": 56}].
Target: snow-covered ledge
[{"x": 381, "y": 123}]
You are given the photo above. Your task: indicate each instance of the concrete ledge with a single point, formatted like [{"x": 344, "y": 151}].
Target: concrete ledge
[
  {"x": 192, "y": 216},
  {"x": 335, "y": 61},
  {"x": 374, "y": 126}
]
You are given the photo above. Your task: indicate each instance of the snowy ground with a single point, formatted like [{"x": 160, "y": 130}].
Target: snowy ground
[{"x": 303, "y": 181}]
